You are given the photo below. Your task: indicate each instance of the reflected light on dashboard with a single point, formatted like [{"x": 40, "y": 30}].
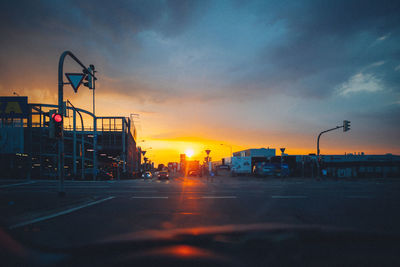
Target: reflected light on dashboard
[{"x": 185, "y": 251}]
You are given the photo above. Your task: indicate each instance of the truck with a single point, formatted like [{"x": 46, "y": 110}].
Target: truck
[{"x": 241, "y": 165}]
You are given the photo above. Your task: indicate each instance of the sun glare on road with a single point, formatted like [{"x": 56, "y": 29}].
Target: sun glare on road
[{"x": 189, "y": 152}]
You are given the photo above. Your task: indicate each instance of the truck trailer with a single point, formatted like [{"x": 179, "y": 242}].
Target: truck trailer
[{"x": 241, "y": 166}]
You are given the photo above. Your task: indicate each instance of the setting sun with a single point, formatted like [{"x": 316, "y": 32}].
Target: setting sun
[{"x": 189, "y": 152}]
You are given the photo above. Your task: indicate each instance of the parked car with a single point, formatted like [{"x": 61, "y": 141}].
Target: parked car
[
  {"x": 264, "y": 169},
  {"x": 284, "y": 170}
]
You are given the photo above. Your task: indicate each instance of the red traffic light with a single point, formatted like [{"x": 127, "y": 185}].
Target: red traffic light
[{"x": 57, "y": 117}]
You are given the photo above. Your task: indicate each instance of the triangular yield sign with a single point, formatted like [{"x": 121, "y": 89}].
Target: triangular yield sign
[{"x": 75, "y": 79}]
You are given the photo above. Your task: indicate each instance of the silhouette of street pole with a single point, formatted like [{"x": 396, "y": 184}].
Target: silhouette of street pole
[
  {"x": 345, "y": 126},
  {"x": 88, "y": 71}
]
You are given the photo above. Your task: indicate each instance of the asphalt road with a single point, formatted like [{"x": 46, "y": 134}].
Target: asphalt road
[{"x": 94, "y": 211}]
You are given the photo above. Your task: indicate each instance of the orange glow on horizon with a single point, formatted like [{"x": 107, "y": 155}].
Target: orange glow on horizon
[
  {"x": 165, "y": 151},
  {"x": 170, "y": 133}
]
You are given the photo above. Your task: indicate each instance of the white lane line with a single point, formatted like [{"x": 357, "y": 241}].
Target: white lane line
[
  {"x": 51, "y": 216},
  {"x": 117, "y": 191},
  {"x": 69, "y": 187},
  {"x": 363, "y": 197},
  {"x": 150, "y": 197},
  {"x": 219, "y": 197},
  {"x": 10, "y": 185},
  {"x": 87, "y": 186},
  {"x": 134, "y": 191},
  {"x": 289, "y": 197}
]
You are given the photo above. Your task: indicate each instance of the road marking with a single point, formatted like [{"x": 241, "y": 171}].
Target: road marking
[
  {"x": 219, "y": 197},
  {"x": 143, "y": 191},
  {"x": 367, "y": 197},
  {"x": 10, "y": 185},
  {"x": 150, "y": 197},
  {"x": 38, "y": 187},
  {"x": 51, "y": 216},
  {"x": 289, "y": 197},
  {"x": 72, "y": 186},
  {"x": 87, "y": 187}
]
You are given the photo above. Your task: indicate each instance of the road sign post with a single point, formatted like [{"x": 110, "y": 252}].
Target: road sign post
[
  {"x": 75, "y": 81},
  {"x": 282, "y": 153}
]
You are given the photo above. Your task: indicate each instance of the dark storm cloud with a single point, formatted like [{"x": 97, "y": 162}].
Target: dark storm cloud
[
  {"x": 322, "y": 45},
  {"x": 326, "y": 43},
  {"x": 119, "y": 18},
  {"x": 102, "y": 31}
]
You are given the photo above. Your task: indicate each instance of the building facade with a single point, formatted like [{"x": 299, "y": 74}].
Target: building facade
[{"x": 94, "y": 147}]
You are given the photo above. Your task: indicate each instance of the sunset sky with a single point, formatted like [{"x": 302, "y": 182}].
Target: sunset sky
[{"x": 246, "y": 74}]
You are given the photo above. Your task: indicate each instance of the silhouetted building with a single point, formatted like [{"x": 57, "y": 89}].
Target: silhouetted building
[{"x": 107, "y": 148}]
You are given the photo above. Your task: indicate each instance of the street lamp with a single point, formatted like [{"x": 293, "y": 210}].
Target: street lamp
[{"x": 15, "y": 93}]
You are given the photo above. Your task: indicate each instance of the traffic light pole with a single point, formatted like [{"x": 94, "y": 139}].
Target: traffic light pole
[
  {"x": 82, "y": 146},
  {"x": 61, "y": 83},
  {"x": 319, "y": 136}
]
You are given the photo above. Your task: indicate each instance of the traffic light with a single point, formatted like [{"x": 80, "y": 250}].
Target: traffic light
[
  {"x": 346, "y": 125},
  {"x": 51, "y": 123},
  {"x": 88, "y": 80},
  {"x": 58, "y": 125}
]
